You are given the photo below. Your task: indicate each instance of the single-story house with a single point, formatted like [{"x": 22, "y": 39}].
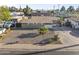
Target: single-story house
[
  {"x": 74, "y": 22},
  {"x": 39, "y": 21},
  {"x": 17, "y": 16}
]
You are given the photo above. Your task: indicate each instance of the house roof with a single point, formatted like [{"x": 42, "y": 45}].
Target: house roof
[
  {"x": 17, "y": 13},
  {"x": 40, "y": 19},
  {"x": 16, "y": 17}
]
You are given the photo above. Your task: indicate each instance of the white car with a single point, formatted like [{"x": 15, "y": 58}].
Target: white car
[{"x": 8, "y": 24}]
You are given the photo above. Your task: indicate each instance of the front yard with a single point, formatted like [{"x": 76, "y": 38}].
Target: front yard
[{"x": 24, "y": 36}]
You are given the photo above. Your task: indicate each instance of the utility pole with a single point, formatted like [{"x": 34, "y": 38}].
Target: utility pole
[
  {"x": 20, "y": 9},
  {"x": 59, "y": 7},
  {"x": 53, "y": 9}
]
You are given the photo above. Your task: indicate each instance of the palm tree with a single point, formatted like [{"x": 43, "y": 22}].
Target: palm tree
[{"x": 27, "y": 11}]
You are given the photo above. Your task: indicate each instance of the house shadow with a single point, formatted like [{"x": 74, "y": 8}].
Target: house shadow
[
  {"x": 63, "y": 28},
  {"x": 29, "y": 35}
]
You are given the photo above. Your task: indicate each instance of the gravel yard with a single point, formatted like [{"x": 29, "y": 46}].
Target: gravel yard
[{"x": 27, "y": 36}]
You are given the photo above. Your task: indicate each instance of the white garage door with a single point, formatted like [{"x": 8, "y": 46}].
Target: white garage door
[
  {"x": 48, "y": 26},
  {"x": 51, "y": 26}
]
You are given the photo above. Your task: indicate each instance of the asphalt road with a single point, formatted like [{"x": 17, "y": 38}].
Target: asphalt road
[
  {"x": 40, "y": 53},
  {"x": 58, "y": 53}
]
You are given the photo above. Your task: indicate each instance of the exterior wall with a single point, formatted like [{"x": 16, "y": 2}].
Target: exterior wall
[
  {"x": 36, "y": 26},
  {"x": 51, "y": 26},
  {"x": 31, "y": 25},
  {"x": 74, "y": 24},
  {"x": 77, "y": 26}
]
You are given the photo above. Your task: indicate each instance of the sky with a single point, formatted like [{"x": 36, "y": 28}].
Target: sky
[
  {"x": 46, "y": 6},
  {"x": 40, "y": 4}
]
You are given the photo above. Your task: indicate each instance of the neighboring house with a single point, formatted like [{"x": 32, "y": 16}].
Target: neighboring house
[
  {"x": 35, "y": 13},
  {"x": 17, "y": 16},
  {"x": 74, "y": 22},
  {"x": 41, "y": 13},
  {"x": 38, "y": 21},
  {"x": 17, "y": 13}
]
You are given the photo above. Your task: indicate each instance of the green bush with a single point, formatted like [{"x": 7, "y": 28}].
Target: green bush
[
  {"x": 55, "y": 38},
  {"x": 43, "y": 30}
]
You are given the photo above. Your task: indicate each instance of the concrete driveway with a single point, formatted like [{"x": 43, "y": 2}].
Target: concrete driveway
[{"x": 67, "y": 35}]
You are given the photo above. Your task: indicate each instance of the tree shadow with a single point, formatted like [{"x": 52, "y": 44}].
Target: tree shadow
[
  {"x": 42, "y": 42},
  {"x": 29, "y": 35},
  {"x": 47, "y": 41}
]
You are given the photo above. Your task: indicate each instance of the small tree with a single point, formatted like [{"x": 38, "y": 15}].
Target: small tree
[
  {"x": 77, "y": 9},
  {"x": 62, "y": 8},
  {"x": 4, "y": 13},
  {"x": 61, "y": 21},
  {"x": 56, "y": 38},
  {"x": 70, "y": 9},
  {"x": 43, "y": 30}
]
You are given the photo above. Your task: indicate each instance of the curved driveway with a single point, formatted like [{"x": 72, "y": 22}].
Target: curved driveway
[{"x": 66, "y": 36}]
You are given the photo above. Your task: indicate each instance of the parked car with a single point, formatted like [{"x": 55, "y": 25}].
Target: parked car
[{"x": 8, "y": 24}]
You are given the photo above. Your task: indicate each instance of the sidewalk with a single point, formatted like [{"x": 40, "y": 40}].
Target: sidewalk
[
  {"x": 24, "y": 48},
  {"x": 29, "y": 48}
]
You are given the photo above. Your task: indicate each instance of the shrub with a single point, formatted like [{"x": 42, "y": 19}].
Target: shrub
[
  {"x": 43, "y": 30},
  {"x": 56, "y": 38}
]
